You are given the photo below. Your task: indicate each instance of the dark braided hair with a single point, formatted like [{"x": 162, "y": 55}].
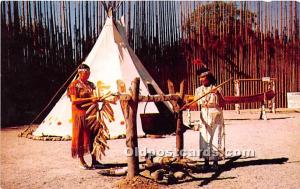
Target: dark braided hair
[
  {"x": 84, "y": 66},
  {"x": 212, "y": 80}
]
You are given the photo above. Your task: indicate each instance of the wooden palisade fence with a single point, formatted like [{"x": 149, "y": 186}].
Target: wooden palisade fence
[
  {"x": 43, "y": 42},
  {"x": 245, "y": 40}
]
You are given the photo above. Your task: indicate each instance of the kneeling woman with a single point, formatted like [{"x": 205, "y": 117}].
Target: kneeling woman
[{"x": 81, "y": 91}]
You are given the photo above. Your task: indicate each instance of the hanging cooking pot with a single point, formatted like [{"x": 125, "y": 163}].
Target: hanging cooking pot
[{"x": 158, "y": 123}]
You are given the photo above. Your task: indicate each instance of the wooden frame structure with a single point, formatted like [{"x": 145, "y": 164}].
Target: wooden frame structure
[
  {"x": 271, "y": 86},
  {"x": 129, "y": 104}
]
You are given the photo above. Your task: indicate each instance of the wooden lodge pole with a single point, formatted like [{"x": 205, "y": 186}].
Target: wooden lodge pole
[
  {"x": 179, "y": 125},
  {"x": 131, "y": 131}
]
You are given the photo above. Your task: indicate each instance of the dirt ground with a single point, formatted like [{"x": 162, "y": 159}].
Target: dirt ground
[{"x": 48, "y": 164}]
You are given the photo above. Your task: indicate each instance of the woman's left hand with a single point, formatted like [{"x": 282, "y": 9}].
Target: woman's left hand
[
  {"x": 214, "y": 90},
  {"x": 95, "y": 99}
]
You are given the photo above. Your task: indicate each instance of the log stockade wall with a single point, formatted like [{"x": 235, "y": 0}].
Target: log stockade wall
[
  {"x": 248, "y": 40},
  {"x": 43, "y": 42}
]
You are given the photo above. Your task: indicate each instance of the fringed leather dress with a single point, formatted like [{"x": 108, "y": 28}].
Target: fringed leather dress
[
  {"x": 212, "y": 133},
  {"x": 81, "y": 137}
]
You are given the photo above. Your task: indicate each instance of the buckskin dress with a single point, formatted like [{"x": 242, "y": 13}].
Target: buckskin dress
[
  {"x": 81, "y": 136},
  {"x": 212, "y": 135}
]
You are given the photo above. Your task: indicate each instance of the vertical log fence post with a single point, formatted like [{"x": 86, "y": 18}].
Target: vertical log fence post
[
  {"x": 179, "y": 124},
  {"x": 179, "y": 121},
  {"x": 131, "y": 131}
]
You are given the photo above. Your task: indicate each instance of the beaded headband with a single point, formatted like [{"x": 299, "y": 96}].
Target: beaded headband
[
  {"x": 83, "y": 69},
  {"x": 204, "y": 73}
]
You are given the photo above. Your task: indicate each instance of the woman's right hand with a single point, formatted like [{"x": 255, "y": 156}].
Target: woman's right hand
[
  {"x": 196, "y": 128},
  {"x": 95, "y": 99},
  {"x": 193, "y": 107}
]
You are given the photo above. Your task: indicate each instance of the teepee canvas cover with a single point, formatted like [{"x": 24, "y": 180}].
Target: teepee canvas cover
[{"x": 110, "y": 59}]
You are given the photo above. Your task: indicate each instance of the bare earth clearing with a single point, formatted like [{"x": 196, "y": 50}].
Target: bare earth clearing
[{"x": 46, "y": 164}]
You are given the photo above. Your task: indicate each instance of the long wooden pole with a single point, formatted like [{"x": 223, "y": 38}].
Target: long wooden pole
[
  {"x": 179, "y": 125},
  {"x": 131, "y": 131},
  {"x": 218, "y": 86}
]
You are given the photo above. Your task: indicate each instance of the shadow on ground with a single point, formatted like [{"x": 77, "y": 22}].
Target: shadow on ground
[
  {"x": 231, "y": 164},
  {"x": 272, "y": 118},
  {"x": 227, "y": 166}
]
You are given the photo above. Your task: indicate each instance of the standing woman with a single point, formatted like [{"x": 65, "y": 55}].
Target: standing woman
[
  {"x": 212, "y": 141},
  {"x": 81, "y": 91}
]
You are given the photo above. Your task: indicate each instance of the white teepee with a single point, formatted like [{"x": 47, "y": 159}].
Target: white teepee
[{"x": 110, "y": 59}]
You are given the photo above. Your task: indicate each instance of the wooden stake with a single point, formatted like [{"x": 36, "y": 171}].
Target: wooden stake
[
  {"x": 179, "y": 125},
  {"x": 131, "y": 131}
]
